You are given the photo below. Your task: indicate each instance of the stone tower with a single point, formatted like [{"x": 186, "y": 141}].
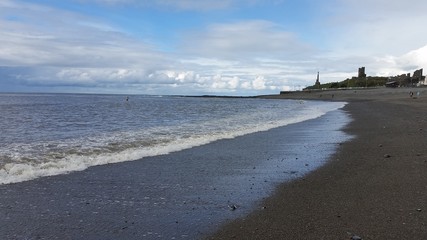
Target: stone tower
[{"x": 362, "y": 73}]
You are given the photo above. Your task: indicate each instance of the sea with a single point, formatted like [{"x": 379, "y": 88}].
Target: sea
[
  {"x": 156, "y": 167},
  {"x": 51, "y": 134}
]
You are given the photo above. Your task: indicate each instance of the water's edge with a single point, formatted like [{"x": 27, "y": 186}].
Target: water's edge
[{"x": 185, "y": 194}]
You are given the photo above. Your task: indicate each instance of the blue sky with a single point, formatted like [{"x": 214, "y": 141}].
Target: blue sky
[{"x": 225, "y": 47}]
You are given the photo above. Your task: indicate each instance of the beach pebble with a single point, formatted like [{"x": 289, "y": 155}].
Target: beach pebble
[
  {"x": 419, "y": 210},
  {"x": 387, "y": 155},
  {"x": 232, "y": 207}
]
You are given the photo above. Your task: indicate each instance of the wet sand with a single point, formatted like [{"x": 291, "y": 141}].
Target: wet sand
[{"x": 374, "y": 187}]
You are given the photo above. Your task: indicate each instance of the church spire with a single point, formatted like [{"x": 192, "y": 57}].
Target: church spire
[{"x": 317, "y": 84}]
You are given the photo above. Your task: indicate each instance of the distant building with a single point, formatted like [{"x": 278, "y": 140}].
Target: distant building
[
  {"x": 392, "y": 84},
  {"x": 405, "y": 80},
  {"x": 361, "y": 73},
  {"x": 418, "y": 77}
]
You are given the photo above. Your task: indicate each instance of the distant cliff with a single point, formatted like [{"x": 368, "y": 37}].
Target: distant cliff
[{"x": 353, "y": 82}]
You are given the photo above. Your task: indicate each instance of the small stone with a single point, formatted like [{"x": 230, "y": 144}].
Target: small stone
[
  {"x": 232, "y": 207},
  {"x": 419, "y": 210},
  {"x": 380, "y": 145},
  {"x": 355, "y": 237},
  {"x": 387, "y": 155}
]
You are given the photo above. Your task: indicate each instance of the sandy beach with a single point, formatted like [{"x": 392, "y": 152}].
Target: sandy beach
[{"x": 374, "y": 187}]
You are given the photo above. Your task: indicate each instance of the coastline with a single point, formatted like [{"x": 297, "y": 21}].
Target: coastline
[
  {"x": 374, "y": 187},
  {"x": 182, "y": 195}
]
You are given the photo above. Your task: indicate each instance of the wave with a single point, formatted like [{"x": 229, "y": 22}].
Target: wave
[{"x": 135, "y": 146}]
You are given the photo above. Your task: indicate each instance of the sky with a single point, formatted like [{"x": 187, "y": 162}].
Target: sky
[{"x": 195, "y": 47}]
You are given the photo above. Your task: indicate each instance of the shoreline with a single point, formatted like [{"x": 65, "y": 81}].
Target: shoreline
[
  {"x": 186, "y": 194},
  {"x": 374, "y": 187}
]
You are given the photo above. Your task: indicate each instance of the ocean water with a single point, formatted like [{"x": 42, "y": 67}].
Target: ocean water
[{"x": 51, "y": 134}]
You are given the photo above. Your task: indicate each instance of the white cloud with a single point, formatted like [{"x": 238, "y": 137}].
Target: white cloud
[
  {"x": 221, "y": 83},
  {"x": 414, "y": 59},
  {"x": 384, "y": 36},
  {"x": 395, "y": 65},
  {"x": 377, "y": 27},
  {"x": 259, "y": 83}
]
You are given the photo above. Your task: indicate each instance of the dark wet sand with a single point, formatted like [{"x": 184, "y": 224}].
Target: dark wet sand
[{"x": 374, "y": 187}]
